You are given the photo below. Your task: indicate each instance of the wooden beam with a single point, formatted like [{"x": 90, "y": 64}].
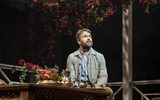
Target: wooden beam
[{"x": 127, "y": 52}]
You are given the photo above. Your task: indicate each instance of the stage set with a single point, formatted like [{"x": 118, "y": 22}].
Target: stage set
[{"x": 43, "y": 32}]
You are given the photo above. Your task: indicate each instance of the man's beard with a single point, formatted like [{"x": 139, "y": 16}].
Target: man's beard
[{"x": 88, "y": 45}]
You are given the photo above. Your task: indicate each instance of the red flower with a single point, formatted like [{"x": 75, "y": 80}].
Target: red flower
[
  {"x": 40, "y": 77},
  {"x": 30, "y": 65},
  {"x": 110, "y": 12},
  {"x": 21, "y": 62}
]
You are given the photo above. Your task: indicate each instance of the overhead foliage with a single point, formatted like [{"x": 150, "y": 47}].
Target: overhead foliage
[
  {"x": 49, "y": 19},
  {"x": 66, "y": 16}
]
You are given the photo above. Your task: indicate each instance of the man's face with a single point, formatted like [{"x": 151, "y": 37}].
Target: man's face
[{"x": 85, "y": 40}]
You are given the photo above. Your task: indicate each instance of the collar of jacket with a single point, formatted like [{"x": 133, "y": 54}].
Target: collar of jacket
[{"x": 91, "y": 52}]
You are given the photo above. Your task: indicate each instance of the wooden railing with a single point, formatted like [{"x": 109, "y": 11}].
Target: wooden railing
[{"x": 50, "y": 92}]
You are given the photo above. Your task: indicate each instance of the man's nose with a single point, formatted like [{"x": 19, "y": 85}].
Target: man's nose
[{"x": 88, "y": 38}]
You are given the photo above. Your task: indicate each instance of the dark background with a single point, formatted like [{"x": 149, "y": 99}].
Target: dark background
[{"x": 14, "y": 43}]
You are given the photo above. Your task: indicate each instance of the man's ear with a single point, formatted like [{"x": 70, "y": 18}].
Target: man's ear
[{"x": 78, "y": 41}]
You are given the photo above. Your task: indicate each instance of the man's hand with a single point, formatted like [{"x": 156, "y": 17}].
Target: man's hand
[{"x": 97, "y": 86}]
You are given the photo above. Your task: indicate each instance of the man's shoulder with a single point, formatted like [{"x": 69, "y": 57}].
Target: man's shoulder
[
  {"x": 96, "y": 53},
  {"x": 74, "y": 53}
]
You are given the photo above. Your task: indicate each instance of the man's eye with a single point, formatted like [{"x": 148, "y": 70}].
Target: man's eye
[{"x": 84, "y": 36}]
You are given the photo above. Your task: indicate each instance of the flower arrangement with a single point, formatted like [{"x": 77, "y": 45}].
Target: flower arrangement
[{"x": 39, "y": 72}]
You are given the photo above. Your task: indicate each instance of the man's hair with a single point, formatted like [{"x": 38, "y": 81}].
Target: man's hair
[{"x": 81, "y": 31}]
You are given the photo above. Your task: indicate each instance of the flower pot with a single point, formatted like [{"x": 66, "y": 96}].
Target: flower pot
[
  {"x": 50, "y": 82},
  {"x": 45, "y": 82}
]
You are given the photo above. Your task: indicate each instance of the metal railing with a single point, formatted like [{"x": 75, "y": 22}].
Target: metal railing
[
  {"x": 9, "y": 67},
  {"x": 134, "y": 84},
  {"x": 145, "y": 82}
]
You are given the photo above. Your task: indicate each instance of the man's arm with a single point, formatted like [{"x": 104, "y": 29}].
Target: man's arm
[
  {"x": 103, "y": 75},
  {"x": 70, "y": 68}
]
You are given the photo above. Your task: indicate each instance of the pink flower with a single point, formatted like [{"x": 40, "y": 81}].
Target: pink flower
[
  {"x": 21, "y": 62},
  {"x": 109, "y": 12},
  {"x": 39, "y": 67},
  {"x": 63, "y": 71},
  {"x": 54, "y": 71},
  {"x": 31, "y": 66},
  {"x": 46, "y": 72}
]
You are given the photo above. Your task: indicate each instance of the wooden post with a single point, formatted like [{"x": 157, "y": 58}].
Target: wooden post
[{"x": 127, "y": 52}]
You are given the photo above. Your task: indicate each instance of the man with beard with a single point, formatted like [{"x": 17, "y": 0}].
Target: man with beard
[{"x": 86, "y": 67}]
